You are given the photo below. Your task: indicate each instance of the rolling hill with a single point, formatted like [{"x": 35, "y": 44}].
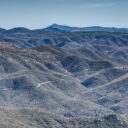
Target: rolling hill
[
  {"x": 25, "y": 38},
  {"x": 77, "y": 82},
  {"x": 80, "y": 78}
]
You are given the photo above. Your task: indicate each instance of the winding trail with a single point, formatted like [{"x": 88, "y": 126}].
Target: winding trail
[
  {"x": 43, "y": 83},
  {"x": 112, "y": 82}
]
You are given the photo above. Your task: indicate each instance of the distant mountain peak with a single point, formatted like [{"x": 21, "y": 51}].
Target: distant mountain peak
[
  {"x": 19, "y": 28},
  {"x": 54, "y": 25},
  {"x": 64, "y": 28},
  {"x": 59, "y": 28}
]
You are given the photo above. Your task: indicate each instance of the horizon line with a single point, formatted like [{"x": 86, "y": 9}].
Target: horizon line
[{"x": 64, "y": 26}]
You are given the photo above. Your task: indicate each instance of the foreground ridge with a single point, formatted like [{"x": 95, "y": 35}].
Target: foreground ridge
[{"x": 33, "y": 118}]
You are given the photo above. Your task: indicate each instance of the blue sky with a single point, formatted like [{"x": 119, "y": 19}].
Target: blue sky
[{"x": 41, "y": 13}]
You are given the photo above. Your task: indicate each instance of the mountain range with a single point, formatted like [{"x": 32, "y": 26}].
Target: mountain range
[
  {"x": 79, "y": 75},
  {"x": 26, "y": 38},
  {"x": 64, "y": 28},
  {"x": 58, "y": 80}
]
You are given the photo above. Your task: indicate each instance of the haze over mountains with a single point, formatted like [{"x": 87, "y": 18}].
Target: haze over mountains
[
  {"x": 64, "y": 28},
  {"x": 65, "y": 72}
]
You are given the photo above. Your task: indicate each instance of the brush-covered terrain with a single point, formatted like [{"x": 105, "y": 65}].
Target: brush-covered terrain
[
  {"x": 80, "y": 76},
  {"x": 75, "y": 82},
  {"x": 35, "y": 118},
  {"x": 25, "y": 38}
]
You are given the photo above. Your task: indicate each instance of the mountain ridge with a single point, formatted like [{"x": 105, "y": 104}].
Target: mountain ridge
[
  {"x": 66, "y": 40},
  {"x": 72, "y": 74},
  {"x": 64, "y": 81},
  {"x": 33, "y": 118},
  {"x": 66, "y": 28}
]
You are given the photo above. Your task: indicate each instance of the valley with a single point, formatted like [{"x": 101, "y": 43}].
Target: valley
[{"x": 85, "y": 79}]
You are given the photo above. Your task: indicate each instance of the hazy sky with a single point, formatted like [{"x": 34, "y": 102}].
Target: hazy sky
[{"x": 82, "y": 13}]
